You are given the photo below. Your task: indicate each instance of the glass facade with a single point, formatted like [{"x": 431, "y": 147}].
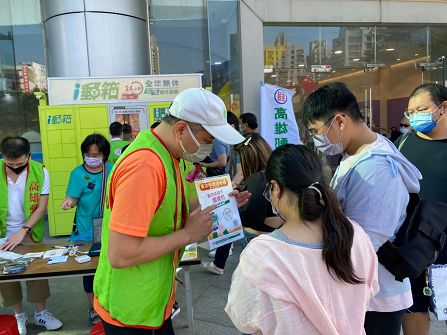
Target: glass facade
[
  {"x": 198, "y": 36},
  {"x": 380, "y": 64},
  {"x": 22, "y": 68}
]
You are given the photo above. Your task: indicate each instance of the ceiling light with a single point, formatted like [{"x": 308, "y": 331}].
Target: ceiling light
[
  {"x": 356, "y": 59},
  {"x": 390, "y": 49},
  {"x": 301, "y": 65},
  {"x": 338, "y": 52},
  {"x": 217, "y": 63},
  {"x": 398, "y": 59},
  {"x": 274, "y": 75}
]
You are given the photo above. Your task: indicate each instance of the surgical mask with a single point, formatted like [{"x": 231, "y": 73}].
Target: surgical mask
[
  {"x": 323, "y": 144},
  {"x": 201, "y": 153},
  {"x": 93, "y": 162},
  {"x": 268, "y": 196},
  {"x": 19, "y": 169},
  {"x": 277, "y": 213},
  {"x": 404, "y": 130},
  {"x": 423, "y": 122}
]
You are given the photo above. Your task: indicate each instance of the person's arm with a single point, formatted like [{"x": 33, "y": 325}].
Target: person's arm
[
  {"x": 16, "y": 238},
  {"x": 244, "y": 306},
  {"x": 239, "y": 176},
  {"x": 129, "y": 226},
  {"x": 69, "y": 202},
  {"x": 221, "y": 162},
  {"x": 74, "y": 191},
  {"x": 141, "y": 250},
  {"x": 221, "y": 151}
]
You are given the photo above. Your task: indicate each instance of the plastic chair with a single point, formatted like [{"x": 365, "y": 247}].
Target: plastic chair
[
  {"x": 8, "y": 325},
  {"x": 97, "y": 329}
]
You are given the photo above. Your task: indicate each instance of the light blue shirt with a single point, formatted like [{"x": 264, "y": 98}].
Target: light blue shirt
[
  {"x": 372, "y": 188},
  {"x": 86, "y": 187}
]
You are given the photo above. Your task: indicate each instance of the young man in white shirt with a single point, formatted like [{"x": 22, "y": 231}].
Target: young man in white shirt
[{"x": 24, "y": 189}]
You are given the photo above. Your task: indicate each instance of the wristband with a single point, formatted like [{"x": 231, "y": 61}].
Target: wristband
[{"x": 28, "y": 229}]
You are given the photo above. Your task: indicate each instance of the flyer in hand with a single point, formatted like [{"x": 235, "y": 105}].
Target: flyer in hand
[{"x": 226, "y": 220}]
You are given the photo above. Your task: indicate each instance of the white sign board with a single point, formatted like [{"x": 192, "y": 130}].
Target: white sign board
[
  {"x": 226, "y": 220},
  {"x": 278, "y": 123},
  {"x": 89, "y": 90},
  {"x": 133, "y": 114},
  {"x": 321, "y": 68}
]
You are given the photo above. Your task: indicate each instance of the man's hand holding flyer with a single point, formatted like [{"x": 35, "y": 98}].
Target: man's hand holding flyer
[{"x": 226, "y": 221}]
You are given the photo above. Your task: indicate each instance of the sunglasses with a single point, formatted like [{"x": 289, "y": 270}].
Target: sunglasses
[{"x": 404, "y": 125}]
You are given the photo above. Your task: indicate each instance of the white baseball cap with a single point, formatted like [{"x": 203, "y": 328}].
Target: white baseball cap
[{"x": 200, "y": 106}]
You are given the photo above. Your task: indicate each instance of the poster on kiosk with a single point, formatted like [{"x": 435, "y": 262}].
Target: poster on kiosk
[
  {"x": 78, "y": 107},
  {"x": 134, "y": 114}
]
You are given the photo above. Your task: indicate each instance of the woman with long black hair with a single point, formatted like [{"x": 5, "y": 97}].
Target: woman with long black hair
[{"x": 314, "y": 275}]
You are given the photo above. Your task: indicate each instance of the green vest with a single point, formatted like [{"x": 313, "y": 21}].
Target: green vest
[
  {"x": 34, "y": 184},
  {"x": 115, "y": 150},
  {"x": 138, "y": 295}
]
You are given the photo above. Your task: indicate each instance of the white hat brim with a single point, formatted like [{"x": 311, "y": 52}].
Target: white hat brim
[{"x": 225, "y": 134}]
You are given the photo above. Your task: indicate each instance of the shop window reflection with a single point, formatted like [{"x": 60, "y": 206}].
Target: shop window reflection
[{"x": 22, "y": 68}]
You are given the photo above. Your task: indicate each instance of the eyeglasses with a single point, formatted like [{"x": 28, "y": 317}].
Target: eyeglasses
[
  {"x": 316, "y": 132},
  {"x": 266, "y": 192},
  {"x": 404, "y": 125},
  {"x": 409, "y": 112}
]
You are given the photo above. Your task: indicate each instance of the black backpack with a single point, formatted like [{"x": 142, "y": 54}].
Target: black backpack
[{"x": 419, "y": 240}]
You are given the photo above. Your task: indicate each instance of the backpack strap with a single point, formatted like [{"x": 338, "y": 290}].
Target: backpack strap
[{"x": 403, "y": 139}]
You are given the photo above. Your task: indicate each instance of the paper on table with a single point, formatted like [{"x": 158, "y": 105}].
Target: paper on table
[
  {"x": 33, "y": 255},
  {"x": 54, "y": 253},
  {"x": 9, "y": 255},
  {"x": 190, "y": 252},
  {"x": 58, "y": 259}
]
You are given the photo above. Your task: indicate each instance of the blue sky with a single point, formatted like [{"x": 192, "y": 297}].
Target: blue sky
[{"x": 28, "y": 44}]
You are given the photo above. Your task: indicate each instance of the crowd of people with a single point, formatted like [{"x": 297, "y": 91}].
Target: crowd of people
[{"x": 309, "y": 263}]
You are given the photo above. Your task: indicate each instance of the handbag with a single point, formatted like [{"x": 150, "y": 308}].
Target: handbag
[{"x": 437, "y": 279}]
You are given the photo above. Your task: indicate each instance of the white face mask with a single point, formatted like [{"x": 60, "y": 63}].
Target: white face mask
[
  {"x": 201, "y": 153},
  {"x": 323, "y": 144},
  {"x": 267, "y": 194}
]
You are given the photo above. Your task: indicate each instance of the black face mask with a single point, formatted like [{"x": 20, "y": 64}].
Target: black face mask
[{"x": 19, "y": 169}]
